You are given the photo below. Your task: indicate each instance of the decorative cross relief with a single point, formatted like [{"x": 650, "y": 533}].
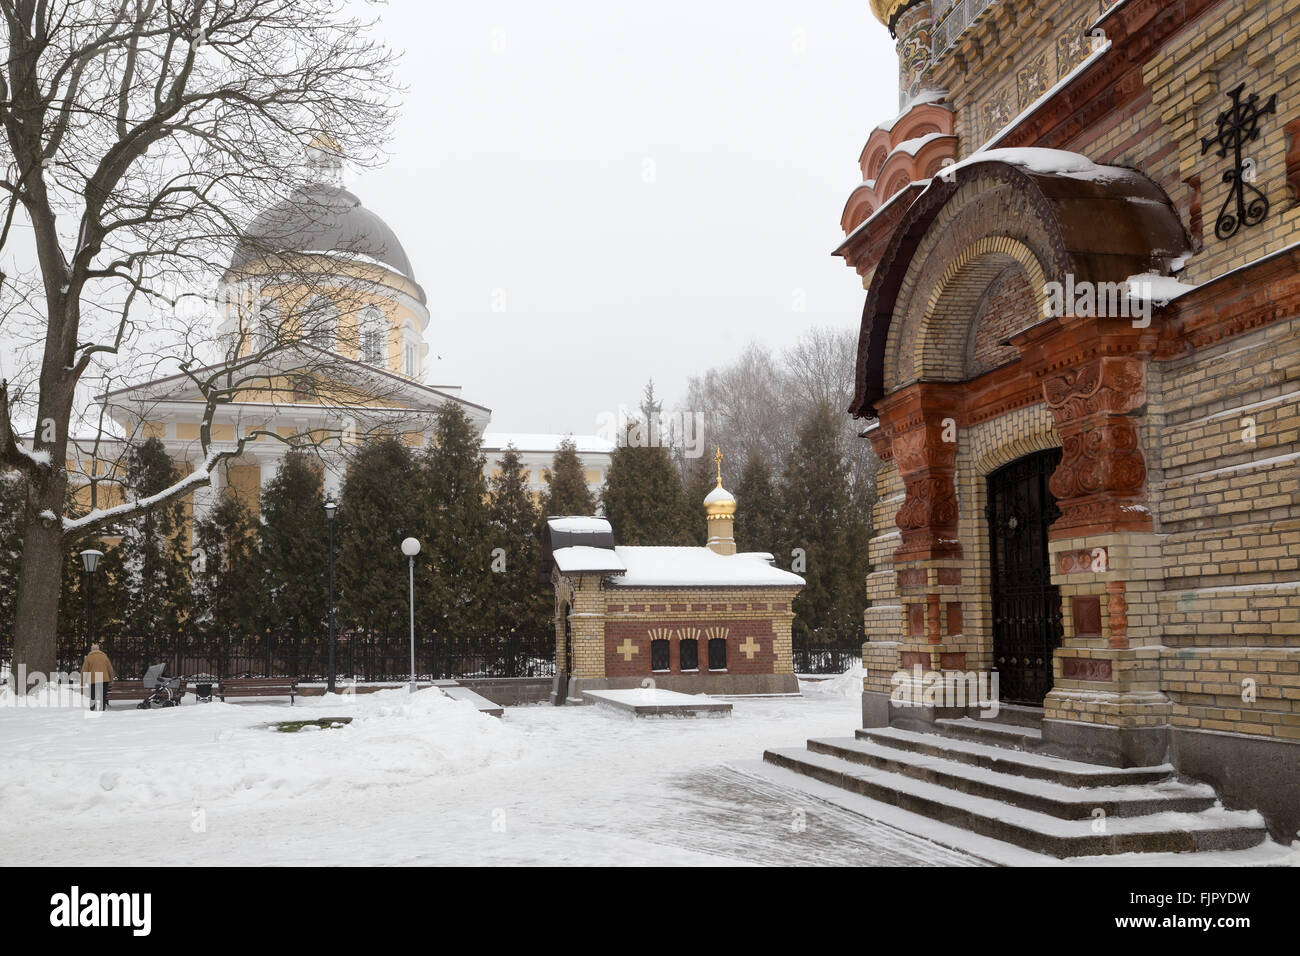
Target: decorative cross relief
[{"x": 1238, "y": 126}]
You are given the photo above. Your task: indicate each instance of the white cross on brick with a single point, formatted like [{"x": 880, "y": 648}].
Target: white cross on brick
[
  {"x": 750, "y": 648},
  {"x": 628, "y": 649}
]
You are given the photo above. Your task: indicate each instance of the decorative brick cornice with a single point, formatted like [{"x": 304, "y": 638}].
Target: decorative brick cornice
[
  {"x": 1137, "y": 30},
  {"x": 1264, "y": 292}
]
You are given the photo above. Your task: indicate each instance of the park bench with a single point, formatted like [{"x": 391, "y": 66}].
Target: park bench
[
  {"x": 257, "y": 687},
  {"x": 134, "y": 690}
]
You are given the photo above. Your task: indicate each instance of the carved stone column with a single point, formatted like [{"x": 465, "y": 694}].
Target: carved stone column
[
  {"x": 1100, "y": 485},
  {"x": 921, "y": 422}
]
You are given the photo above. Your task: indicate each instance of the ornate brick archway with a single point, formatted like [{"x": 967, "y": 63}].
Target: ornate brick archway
[{"x": 965, "y": 368}]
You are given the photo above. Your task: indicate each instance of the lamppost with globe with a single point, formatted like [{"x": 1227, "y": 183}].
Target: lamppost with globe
[{"x": 410, "y": 548}]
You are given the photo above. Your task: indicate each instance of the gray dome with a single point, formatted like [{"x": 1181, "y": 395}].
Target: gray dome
[{"x": 322, "y": 218}]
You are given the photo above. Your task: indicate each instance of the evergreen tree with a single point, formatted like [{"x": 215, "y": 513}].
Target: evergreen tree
[
  {"x": 293, "y": 549},
  {"x": 758, "y": 508},
  {"x": 379, "y": 507},
  {"x": 519, "y": 600},
  {"x": 819, "y": 520},
  {"x": 700, "y": 479},
  {"x": 456, "y": 544},
  {"x": 226, "y": 576},
  {"x": 643, "y": 498},
  {"x": 13, "y": 499},
  {"x": 151, "y": 565},
  {"x": 566, "y": 485}
]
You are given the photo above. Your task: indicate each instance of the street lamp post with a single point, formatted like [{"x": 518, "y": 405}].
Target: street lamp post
[
  {"x": 90, "y": 561},
  {"x": 331, "y": 506},
  {"x": 410, "y": 548}
]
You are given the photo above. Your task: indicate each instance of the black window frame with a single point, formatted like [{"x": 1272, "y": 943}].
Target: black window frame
[
  {"x": 719, "y": 645},
  {"x": 694, "y": 647}
]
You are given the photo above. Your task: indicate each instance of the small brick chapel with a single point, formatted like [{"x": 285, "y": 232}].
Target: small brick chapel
[{"x": 697, "y": 620}]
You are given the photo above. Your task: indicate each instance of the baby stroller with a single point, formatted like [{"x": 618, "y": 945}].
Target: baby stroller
[{"x": 163, "y": 691}]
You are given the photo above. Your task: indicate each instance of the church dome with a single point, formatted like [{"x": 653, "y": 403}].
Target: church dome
[
  {"x": 719, "y": 503},
  {"x": 323, "y": 218}
]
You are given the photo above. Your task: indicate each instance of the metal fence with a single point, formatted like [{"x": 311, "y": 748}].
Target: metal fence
[
  {"x": 364, "y": 655},
  {"x": 827, "y": 658}
]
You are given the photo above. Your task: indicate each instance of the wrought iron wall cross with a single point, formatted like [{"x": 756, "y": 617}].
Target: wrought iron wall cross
[{"x": 1237, "y": 126}]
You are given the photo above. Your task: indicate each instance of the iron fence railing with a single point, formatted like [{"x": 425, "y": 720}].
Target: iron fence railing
[
  {"x": 363, "y": 655},
  {"x": 834, "y": 657}
]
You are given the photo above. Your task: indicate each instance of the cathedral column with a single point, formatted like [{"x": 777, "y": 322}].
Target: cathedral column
[
  {"x": 1105, "y": 704},
  {"x": 919, "y": 430}
]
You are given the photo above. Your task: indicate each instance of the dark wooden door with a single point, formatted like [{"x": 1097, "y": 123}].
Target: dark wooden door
[{"x": 1026, "y": 605}]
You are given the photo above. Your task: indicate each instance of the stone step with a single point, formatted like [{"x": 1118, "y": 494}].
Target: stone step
[
  {"x": 1042, "y": 795},
  {"x": 1019, "y": 715},
  {"x": 1213, "y": 829},
  {"x": 1012, "y": 736},
  {"x": 1070, "y": 773}
]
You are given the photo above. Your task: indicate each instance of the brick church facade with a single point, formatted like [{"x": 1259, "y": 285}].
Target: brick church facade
[{"x": 1079, "y": 366}]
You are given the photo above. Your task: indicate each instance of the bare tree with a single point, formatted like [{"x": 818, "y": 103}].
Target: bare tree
[
  {"x": 142, "y": 136},
  {"x": 755, "y": 403}
]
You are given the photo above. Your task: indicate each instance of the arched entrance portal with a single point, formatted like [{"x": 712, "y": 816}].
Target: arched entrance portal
[{"x": 1026, "y": 605}]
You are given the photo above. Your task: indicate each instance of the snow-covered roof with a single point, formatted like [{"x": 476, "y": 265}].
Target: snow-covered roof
[
  {"x": 580, "y": 558},
  {"x": 525, "y": 441},
  {"x": 580, "y": 524},
  {"x": 1047, "y": 162},
  {"x": 913, "y": 146},
  {"x": 699, "y": 567}
]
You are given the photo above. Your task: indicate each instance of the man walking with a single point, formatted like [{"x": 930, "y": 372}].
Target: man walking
[{"x": 96, "y": 672}]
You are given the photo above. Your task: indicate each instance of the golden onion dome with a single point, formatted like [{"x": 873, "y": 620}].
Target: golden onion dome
[
  {"x": 887, "y": 10},
  {"x": 719, "y": 503}
]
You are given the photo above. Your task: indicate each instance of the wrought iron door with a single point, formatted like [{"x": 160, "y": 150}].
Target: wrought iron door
[{"x": 1026, "y": 605}]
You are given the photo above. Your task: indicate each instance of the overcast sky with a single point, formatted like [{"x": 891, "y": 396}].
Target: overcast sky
[{"x": 643, "y": 187}]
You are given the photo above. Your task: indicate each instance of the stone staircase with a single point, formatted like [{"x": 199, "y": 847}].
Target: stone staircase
[{"x": 984, "y": 776}]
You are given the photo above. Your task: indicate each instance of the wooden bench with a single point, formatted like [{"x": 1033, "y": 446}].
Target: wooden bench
[
  {"x": 257, "y": 687},
  {"x": 134, "y": 690}
]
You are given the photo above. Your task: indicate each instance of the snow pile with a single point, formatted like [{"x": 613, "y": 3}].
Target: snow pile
[
  {"x": 1047, "y": 162},
  {"x": 1152, "y": 287},
  {"x": 848, "y": 684},
  {"x": 128, "y": 759}
]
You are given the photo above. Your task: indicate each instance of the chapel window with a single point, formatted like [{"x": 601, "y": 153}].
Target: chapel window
[
  {"x": 690, "y": 655},
  {"x": 659, "y": 655},
  {"x": 717, "y": 653}
]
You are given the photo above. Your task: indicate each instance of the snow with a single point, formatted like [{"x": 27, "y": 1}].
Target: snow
[
  {"x": 920, "y": 99},
  {"x": 848, "y": 684},
  {"x": 199, "y": 476},
  {"x": 862, "y": 226},
  {"x": 913, "y": 146},
  {"x": 1047, "y": 162},
  {"x": 425, "y": 780},
  {"x": 718, "y": 494},
  {"x": 580, "y": 558},
  {"x": 1151, "y": 287},
  {"x": 580, "y": 524},
  {"x": 698, "y": 567},
  {"x": 533, "y": 441},
  {"x": 40, "y": 456}
]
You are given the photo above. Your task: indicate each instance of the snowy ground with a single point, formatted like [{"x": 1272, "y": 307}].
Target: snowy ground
[{"x": 426, "y": 780}]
